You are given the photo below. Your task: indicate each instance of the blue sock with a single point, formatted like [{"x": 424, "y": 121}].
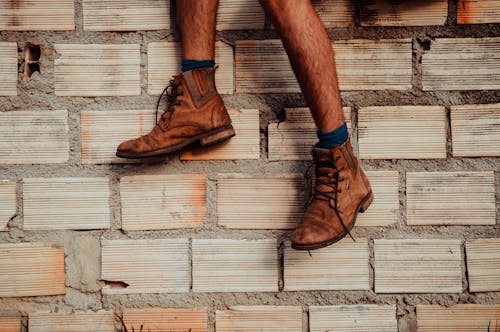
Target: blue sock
[
  {"x": 188, "y": 64},
  {"x": 335, "y": 137}
]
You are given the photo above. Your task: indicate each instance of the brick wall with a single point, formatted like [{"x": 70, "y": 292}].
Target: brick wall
[{"x": 90, "y": 242}]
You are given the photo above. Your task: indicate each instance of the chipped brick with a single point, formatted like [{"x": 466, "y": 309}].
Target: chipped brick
[{"x": 145, "y": 266}]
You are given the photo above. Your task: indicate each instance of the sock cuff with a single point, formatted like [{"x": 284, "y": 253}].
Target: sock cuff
[
  {"x": 335, "y": 137},
  {"x": 189, "y": 64}
]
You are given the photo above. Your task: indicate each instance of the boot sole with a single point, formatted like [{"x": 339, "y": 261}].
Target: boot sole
[
  {"x": 206, "y": 139},
  {"x": 362, "y": 206}
]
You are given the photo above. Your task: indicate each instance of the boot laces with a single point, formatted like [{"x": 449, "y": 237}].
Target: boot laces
[
  {"x": 328, "y": 177},
  {"x": 171, "y": 93}
]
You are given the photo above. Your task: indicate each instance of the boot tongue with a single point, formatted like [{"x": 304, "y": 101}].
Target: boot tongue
[
  {"x": 323, "y": 159},
  {"x": 324, "y": 167}
]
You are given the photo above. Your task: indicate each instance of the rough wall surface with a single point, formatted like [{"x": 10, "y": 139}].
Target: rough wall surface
[{"x": 89, "y": 242}]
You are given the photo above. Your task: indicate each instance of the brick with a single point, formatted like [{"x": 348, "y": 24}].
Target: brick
[
  {"x": 462, "y": 64},
  {"x": 460, "y": 317},
  {"x": 93, "y": 70},
  {"x": 402, "y": 132},
  {"x": 450, "y": 198},
  {"x": 160, "y": 320},
  {"x": 66, "y": 203},
  {"x": 361, "y": 65},
  {"x": 245, "y": 145},
  {"x": 31, "y": 269},
  {"x": 38, "y": 137},
  {"x": 223, "y": 265},
  {"x": 164, "y": 61},
  {"x": 27, "y": 15},
  {"x": 145, "y": 266},
  {"x": 259, "y": 318},
  {"x": 293, "y": 139},
  {"x": 384, "y": 210},
  {"x": 334, "y": 13},
  {"x": 260, "y": 202},
  {"x": 152, "y": 202},
  {"x": 7, "y": 202},
  {"x": 483, "y": 265},
  {"x": 478, "y": 12},
  {"x": 418, "y": 266},
  {"x": 8, "y": 68},
  {"x": 360, "y": 317},
  {"x": 10, "y": 323},
  {"x": 390, "y": 13},
  {"x": 475, "y": 130},
  {"x": 102, "y": 132},
  {"x": 127, "y": 15},
  {"x": 240, "y": 15},
  {"x": 101, "y": 321},
  {"x": 343, "y": 266}
]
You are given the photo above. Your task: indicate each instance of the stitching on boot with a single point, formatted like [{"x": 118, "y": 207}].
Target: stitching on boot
[{"x": 199, "y": 99}]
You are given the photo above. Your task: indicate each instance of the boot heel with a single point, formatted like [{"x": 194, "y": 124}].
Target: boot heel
[
  {"x": 218, "y": 136},
  {"x": 365, "y": 203}
]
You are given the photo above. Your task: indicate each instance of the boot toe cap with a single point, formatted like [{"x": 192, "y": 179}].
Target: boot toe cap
[
  {"x": 128, "y": 147},
  {"x": 313, "y": 233}
]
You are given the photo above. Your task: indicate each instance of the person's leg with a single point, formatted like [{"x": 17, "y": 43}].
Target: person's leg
[
  {"x": 342, "y": 190},
  {"x": 196, "y": 20},
  {"x": 311, "y": 56},
  {"x": 195, "y": 111}
]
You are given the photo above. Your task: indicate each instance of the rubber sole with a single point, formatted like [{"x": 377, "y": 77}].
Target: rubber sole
[
  {"x": 362, "y": 206},
  {"x": 206, "y": 139}
]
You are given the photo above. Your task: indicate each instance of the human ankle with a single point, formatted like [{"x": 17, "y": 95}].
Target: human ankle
[
  {"x": 335, "y": 137},
  {"x": 189, "y": 64}
]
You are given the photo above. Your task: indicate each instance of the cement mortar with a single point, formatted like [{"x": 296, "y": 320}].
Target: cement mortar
[{"x": 82, "y": 249}]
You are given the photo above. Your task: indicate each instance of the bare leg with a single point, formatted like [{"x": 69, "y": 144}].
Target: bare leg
[
  {"x": 309, "y": 49},
  {"x": 196, "y": 20}
]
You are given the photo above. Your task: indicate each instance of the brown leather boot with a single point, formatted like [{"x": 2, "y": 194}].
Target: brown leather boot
[
  {"x": 342, "y": 190},
  {"x": 195, "y": 113}
]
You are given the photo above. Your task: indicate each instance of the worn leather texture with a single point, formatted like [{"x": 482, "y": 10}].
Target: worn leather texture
[
  {"x": 197, "y": 108},
  {"x": 341, "y": 186}
]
